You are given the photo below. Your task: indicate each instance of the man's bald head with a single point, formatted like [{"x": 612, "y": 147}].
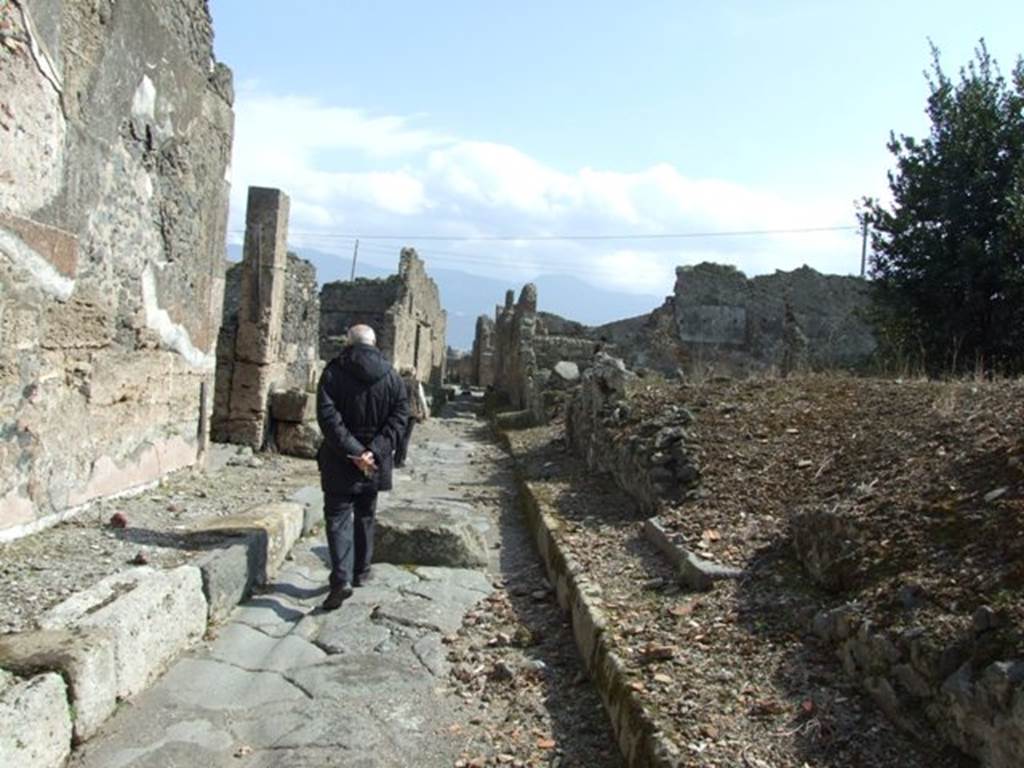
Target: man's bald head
[{"x": 362, "y": 334}]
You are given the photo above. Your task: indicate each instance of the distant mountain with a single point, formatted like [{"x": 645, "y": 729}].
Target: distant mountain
[{"x": 466, "y": 296}]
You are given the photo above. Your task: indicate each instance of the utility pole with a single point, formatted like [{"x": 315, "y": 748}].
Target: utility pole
[
  {"x": 355, "y": 255},
  {"x": 863, "y": 246}
]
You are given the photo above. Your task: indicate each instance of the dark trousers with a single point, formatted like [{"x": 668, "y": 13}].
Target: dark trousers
[
  {"x": 403, "y": 444},
  {"x": 349, "y": 522}
]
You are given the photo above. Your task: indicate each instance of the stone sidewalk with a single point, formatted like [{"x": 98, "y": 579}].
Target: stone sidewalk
[{"x": 285, "y": 684}]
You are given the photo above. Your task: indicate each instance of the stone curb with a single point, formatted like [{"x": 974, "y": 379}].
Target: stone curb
[
  {"x": 111, "y": 641},
  {"x": 641, "y": 743},
  {"x": 694, "y": 572}
]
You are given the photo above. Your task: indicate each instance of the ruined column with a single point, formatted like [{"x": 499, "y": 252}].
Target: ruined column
[
  {"x": 483, "y": 352},
  {"x": 260, "y": 314}
]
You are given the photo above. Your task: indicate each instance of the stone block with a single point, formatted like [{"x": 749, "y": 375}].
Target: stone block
[
  {"x": 229, "y": 574},
  {"x": 312, "y": 500},
  {"x": 428, "y": 537},
  {"x": 695, "y": 572},
  {"x": 78, "y": 323},
  {"x": 83, "y": 658},
  {"x": 277, "y": 526},
  {"x": 515, "y": 420},
  {"x": 293, "y": 405},
  {"x": 152, "y": 616},
  {"x": 250, "y": 389},
  {"x": 565, "y": 373},
  {"x": 35, "y": 721},
  {"x": 254, "y": 343},
  {"x": 700, "y": 574},
  {"x": 246, "y": 432},
  {"x": 302, "y": 440}
]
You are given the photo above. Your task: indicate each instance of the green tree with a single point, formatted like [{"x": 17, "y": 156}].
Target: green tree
[{"x": 948, "y": 252}]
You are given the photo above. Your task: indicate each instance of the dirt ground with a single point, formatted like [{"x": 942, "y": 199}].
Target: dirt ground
[{"x": 929, "y": 474}]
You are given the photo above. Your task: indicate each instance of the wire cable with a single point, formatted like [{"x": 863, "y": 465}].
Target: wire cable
[{"x": 548, "y": 238}]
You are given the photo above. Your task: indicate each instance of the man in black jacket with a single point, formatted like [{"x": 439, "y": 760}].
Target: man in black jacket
[{"x": 362, "y": 409}]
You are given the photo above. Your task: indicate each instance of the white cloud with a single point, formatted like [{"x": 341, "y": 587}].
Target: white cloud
[
  {"x": 352, "y": 172},
  {"x": 636, "y": 271}
]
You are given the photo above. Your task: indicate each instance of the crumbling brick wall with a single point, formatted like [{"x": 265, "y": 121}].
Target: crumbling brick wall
[
  {"x": 521, "y": 349},
  {"x": 115, "y": 136},
  {"x": 300, "y": 332},
  {"x": 404, "y": 310}
]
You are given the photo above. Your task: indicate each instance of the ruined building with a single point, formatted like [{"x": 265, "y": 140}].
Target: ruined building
[
  {"x": 515, "y": 355},
  {"x": 529, "y": 357},
  {"x": 716, "y": 318},
  {"x": 481, "y": 372},
  {"x": 745, "y": 322},
  {"x": 269, "y": 337},
  {"x": 720, "y": 319},
  {"x": 115, "y": 137},
  {"x": 404, "y": 310}
]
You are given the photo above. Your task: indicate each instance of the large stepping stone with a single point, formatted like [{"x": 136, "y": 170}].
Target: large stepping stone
[{"x": 435, "y": 535}]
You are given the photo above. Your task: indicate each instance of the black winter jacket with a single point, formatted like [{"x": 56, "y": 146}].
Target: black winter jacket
[{"x": 361, "y": 405}]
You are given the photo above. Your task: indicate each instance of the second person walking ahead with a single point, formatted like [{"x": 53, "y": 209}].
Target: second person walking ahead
[{"x": 362, "y": 409}]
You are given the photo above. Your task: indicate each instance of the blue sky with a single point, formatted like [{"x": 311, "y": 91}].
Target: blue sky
[{"x": 550, "y": 118}]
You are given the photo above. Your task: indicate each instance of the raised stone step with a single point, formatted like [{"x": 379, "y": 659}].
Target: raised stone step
[
  {"x": 151, "y": 616},
  {"x": 434, "y": 535},
  {"x": 36, "y": 721},
  {"x": 82, "y": 657},
  {"x": 276, "y": 526}
]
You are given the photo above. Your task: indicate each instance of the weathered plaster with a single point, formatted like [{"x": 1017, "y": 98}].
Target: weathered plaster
[
  {"x": 42, "y": 272},
  {"x": 116, "y": 135},
  {"x": 108, "y": 477},
  {"x": 172, "y": 335}
]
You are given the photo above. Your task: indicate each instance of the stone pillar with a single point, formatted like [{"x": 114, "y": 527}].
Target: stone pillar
[
  {"x": 260, "y": 314},
  {"x": 483, "y": 352}
]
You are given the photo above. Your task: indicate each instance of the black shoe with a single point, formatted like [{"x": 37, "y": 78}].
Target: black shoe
[
  {"x": 337, "y": 596},
  {"x": 362, "y": 578}
]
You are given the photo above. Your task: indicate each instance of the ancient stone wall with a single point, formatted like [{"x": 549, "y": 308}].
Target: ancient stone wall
[
  {"x": 420, "y": 322},
  {"x": 350, "y": 302},
  {"x": 404, "y": 310},
  {"x": 300, "y": 331},
  {"x": 281, "y": 350},
  {"x": 459, "y": 368},
  {"x": 721, "y": 315},
  {"x": 482, "y": 367},
  {"x": 953, "y": 683},
  {"x": 652, "y": 460},
  {"x": 115, "y": 137},
  {"x": 522, "y": 350},
  {"x": 253, "y": 357},
  {"x": 515, "y": 330}
]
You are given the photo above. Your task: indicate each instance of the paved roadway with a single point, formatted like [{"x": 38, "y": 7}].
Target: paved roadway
[{"x": 285, "y": 685}]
